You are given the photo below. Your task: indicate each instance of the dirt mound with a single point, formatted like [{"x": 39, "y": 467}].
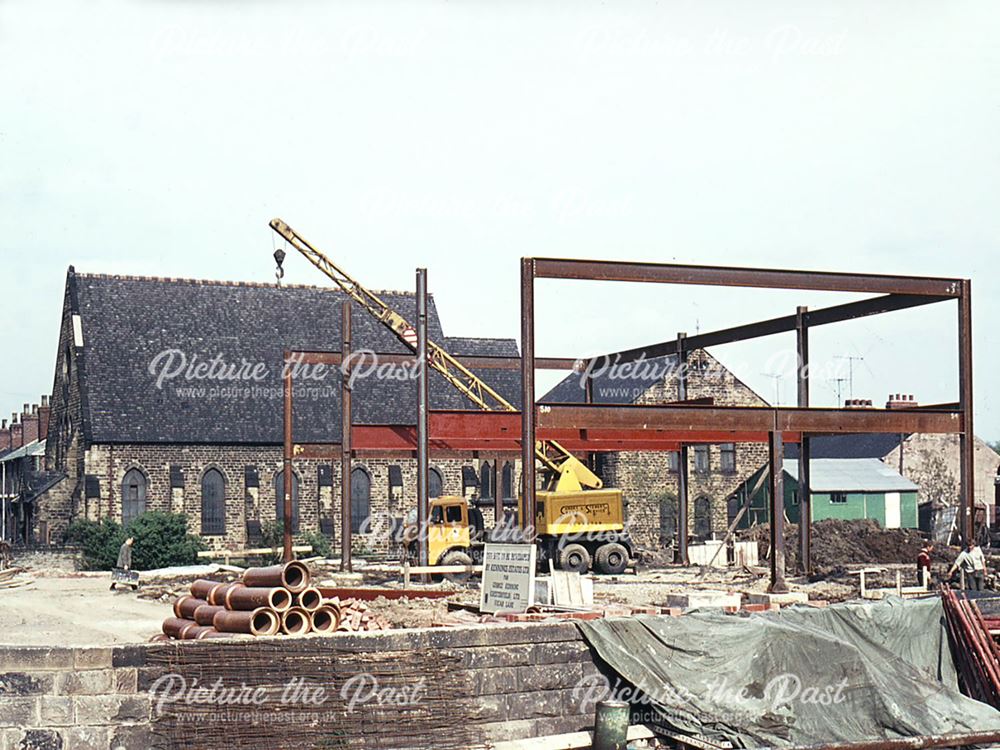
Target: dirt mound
[{"x": 836, "y": 543}]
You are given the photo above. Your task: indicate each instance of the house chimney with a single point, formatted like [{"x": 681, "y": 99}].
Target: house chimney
[
  {"x": 29, "y": 428},
  {"x": 4, "y": 436},
  {"x": 16, "y": 435},
  {"x": 43, "y": 418},
  {"x": 901, "y": 401},
  {"x": 858, "y": 403}
]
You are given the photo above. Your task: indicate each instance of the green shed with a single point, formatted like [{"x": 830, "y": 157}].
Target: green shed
[{"x": 845, "y": 488}]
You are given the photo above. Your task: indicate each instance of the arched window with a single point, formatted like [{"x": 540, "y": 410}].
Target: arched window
[
  {"x": 361, "y": 499},
  {"x": 668, "y": 517},
  {"x": 507, "y": 482},
  {"x": 435, "y": 483},
  {"x": 213, "y": 502},
  {"x": 486, "y": 481},
  {"x": 702, "y": 517},
  {"x": 279, "y": 497},
  {"x": 133, "y": 496}
]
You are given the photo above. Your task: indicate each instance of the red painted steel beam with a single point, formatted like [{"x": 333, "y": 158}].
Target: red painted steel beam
[
  {"x": 736, "y": 419},
  {"x": 671, "y": 273}
]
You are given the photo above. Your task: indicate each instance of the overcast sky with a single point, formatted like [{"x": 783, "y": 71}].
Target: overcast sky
[{"x": 159, "y": 138}]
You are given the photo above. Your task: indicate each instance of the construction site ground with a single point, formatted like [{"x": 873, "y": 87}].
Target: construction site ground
[{"x": 77, "y": 609}]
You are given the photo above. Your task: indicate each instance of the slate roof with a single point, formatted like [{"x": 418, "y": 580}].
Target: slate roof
[
  {"x": 851, "y": 475},
  {"x": 137, "y": 329},
  {"x": 624, "y": 386},
  {"x": 873, "y": 445}
]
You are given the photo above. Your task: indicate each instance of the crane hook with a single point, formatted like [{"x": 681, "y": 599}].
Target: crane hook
[{"x": 279, "y": 258}]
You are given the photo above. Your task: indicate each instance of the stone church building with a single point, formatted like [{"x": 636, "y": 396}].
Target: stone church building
[{"x": 167, "y": 396}]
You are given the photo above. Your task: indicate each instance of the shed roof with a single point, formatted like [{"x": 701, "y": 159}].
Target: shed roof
[{"x": 851, "y": 475}]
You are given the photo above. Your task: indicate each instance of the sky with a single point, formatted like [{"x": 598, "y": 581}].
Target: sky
[{"x": 159, "y": 138}]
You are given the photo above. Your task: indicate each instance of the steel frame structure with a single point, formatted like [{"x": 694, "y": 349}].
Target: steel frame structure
[{"x": 894, "y": 293}]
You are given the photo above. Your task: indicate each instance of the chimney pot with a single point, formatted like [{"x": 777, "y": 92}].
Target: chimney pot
[
  {"x": 26, "y": 409},
  {"x": 45, "y": 400},
  {"x": 34, "y": 409}
]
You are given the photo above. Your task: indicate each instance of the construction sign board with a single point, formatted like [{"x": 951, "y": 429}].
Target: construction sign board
[{"x": 508, "y": 577}]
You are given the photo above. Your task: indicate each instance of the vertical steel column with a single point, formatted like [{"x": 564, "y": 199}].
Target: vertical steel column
[
  {"x": 527, "y": 515},
  {"x": 346, "y": 422},
  {"x": 423, "y": 405},
  {"x": 805, "y": 491},
  {"x": 496, "y": 477},
  {"x": 967, "y": 438},
  {"x": 682, "y": 462},
  {"x": 776, "y": 483},
  {"x": 286, "y": 512}
]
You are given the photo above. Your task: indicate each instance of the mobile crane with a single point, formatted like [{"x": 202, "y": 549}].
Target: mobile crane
[{"x": 578, "y": 522}]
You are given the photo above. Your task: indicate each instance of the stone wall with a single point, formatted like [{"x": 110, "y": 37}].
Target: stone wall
[
  {"x": 71, "y": 699},
  {"x": 932, "y": 462},
  {"x": 503, "y": 682}
]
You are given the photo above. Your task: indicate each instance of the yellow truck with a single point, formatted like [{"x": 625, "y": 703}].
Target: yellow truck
[{"x": 578, "y": 531}]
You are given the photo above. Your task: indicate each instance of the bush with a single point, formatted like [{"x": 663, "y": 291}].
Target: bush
[
  {"x": 161, "y": 540},
  {"x": 98, "y": 541},
  {"x": 272, "y": 534}
]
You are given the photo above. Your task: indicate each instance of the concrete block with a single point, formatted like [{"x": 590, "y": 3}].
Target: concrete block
[
  {"x": 792, "y": 597},
  {"x": 560, "y": 652},
  {"x": 704, "y": 598},
  {"x": 485, "y": 657},
  {"x": 482, "y": 708},
  {"x": 548, "y": 677},
  {"x": 93, "y": 658},
  {"x": 42, "y": 739},
  {"x": 110, "y": 709},
  {"x": 86, "y": 738},
  {"x": 505, "y": 731},
  {"x": 55, "y": 711},
  {"x": 13, "y": 684},
  {"x": 535, "y": 705},
  {"x": 495, "y": 681},
  {"x": 32, "y": 659},
  {"x": 129, "y": 656},
  {"x": 126, "y": 680},
  {"x": 87, "y": 682},
  {"x": 18, "y": 712}
]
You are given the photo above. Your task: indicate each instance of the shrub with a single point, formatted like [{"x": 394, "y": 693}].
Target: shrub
[
  {"x": 98, "y": 541},
  {"x": 161, "y": 540},
  {"x": 273, "y": 535}
]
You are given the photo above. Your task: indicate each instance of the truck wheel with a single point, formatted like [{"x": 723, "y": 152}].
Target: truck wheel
[
  {"x": 611, "y": 558},
  {"x": 456, "y": 558},
  {"x": 574, "y": 557}
]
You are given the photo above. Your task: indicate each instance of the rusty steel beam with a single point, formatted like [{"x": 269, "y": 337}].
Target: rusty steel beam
[
  {"x": 776, "y": 484},
  {"x": 671, "y": 273},
  {"x": 423, "y": 424},
  {"x": 527, "y": 515},
  {"x": 773, "y": 326},
  {"x": 683, "y": 499},
  {"x": 752, "y": 419},
  {"x": 346, "y": 429},
  {"x": 967, "y": 440},
  {"x": 802, "y": 401},
  {"x": 967, "y": 739},
  {"x": 286, "y": 512}
]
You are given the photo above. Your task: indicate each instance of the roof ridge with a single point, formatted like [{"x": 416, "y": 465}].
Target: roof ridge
[{"x": 219, "y": 282}]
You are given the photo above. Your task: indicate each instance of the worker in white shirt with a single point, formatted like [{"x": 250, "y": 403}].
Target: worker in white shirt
[{"x": 972, "y": 564}]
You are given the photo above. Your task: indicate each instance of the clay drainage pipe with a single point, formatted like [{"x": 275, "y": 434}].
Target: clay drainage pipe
[
  {"x": 217, "y": 596},
  {"x": 325, "y": 619},
  {"x": 259, "y": 622},
  {"x": 201, "y": 588},
  {"x": 246, "y": 598},
  {"x": 205, "y": 614},
  {"x": 175, "y": 627},
  {"x": 186, "y": 605},
  {"x": 293, "y": 576},
  {"x": 195, "y": 633},
  {"x": 310, "y": 599},
  {"x": 295, "y": 622}
]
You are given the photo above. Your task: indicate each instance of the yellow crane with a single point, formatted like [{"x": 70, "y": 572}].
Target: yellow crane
[
  {"x": 578, "y": 522},
  {"x": 566, "y": 473}
]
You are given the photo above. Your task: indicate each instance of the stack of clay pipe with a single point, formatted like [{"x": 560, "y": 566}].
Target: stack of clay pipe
[{"x": 268, "y": 601}]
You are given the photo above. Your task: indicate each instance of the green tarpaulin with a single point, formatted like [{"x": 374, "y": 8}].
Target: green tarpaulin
[{"x": 847, "y": 673}]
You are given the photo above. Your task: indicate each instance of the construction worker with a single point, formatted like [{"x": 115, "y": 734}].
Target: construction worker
[
  {"x": 924, "y": 564},
  {"x": 124, "y": 557},
  {"x": 972, "y": 564}
]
